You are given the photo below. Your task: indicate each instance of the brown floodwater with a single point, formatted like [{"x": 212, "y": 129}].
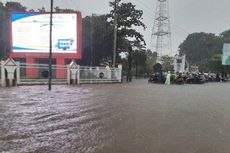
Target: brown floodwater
[{"x": 116, "y": 118}]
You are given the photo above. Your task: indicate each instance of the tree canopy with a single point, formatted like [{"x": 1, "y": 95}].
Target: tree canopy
[
  {"x": 15, "y": 6},
  {"x": 97, "y": 40},
  {"x": 128, "y": 18},
  {"x": 200, "y": 46}
]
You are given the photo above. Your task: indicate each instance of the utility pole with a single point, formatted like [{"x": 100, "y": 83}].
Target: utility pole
[
  {"x": 161, "y": 34},
  {"x": 50, "y": 51},
  {"x": 115, "y": 34}
]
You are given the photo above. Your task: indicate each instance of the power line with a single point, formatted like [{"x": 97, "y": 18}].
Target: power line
[{"x": 150, "y": 14}]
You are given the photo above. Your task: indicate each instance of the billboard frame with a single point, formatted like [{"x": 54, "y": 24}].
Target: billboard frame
[{"x": 77, "y": 55}]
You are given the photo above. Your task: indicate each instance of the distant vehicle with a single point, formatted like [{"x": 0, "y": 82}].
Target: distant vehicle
[
  {"x": 196, "y": 79},
  {"x": 64, "y": 44},
  {"x": 156, "y": 78},
  {"x": 179, "y": 79}
]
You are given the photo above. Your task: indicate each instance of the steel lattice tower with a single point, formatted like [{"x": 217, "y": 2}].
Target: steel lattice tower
[{"x": 161, "y": 34}]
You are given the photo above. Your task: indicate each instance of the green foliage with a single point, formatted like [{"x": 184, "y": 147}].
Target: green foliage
[
  {"x": 149, "y": 65},
  {"x": 204, "y": 50},
  {"x": 128, "y": 17},
  {"x": 151, "y": 59},
  {"x": 211, "y": 65},
  {"x": 15, "y": 6},
  {"x": 139, "y": 61},
  {"x": 58, "y": 9},
  {"x": 225, "y": 36},
  {"x": 200, "y": 46},
  {"x": 97, "y": 40},
  {"x": 167, "y": 63},
  {"x": 4, "y": 31}
]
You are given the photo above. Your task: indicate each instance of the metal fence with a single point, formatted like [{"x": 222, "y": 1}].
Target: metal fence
[
  {"x": 32, "y": 74},
  {"x": 99, "y": 75},
  {"x": 37, "y": 74}
]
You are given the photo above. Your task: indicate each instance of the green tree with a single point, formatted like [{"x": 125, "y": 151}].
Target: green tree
[
  {"x": 225, "y": 36},
  {"x": 42, "y": 10},
  {"x": 200, "y": 46},
  {"x": 139, "y": 60},
  {"x": 15, "y": 6},
  {"x": 167, "y": 63},
  {"x": 97, "y": 40},
  {"x": 214, "y": 64},
  {"x": 58, "y": 9},
  {"x": 128, "y": 17},
  {"x": 150, "y": 61},
  {"x": 5, "y": 27}
]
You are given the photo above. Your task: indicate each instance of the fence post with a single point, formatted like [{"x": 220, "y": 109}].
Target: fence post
[
  {"x": 78, "y": 74},
  {"x": 90, "y": 72},
  {"x": 3, "y": 79},
  {"x": 68, "y": 74},
  {"x": 120, "y": 73},
  {"x": 108, "y": 72},
  {"x": 18, "y": 74}
]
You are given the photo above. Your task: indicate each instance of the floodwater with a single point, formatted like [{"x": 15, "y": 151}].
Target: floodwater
[{"x": 119, "y": 118}]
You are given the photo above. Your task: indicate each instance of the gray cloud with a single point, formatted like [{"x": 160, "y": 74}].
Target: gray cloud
[{"x": 187, "y": 16}]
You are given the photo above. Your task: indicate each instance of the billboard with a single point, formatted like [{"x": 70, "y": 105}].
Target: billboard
[
  {"x": 226, "y": 54},
  {"x": 30, "y": 33}
]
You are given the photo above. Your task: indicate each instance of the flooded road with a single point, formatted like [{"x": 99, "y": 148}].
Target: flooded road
[{"x": 120, "y": 118}]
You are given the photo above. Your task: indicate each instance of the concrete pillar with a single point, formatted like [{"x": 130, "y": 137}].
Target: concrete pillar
[
  {"x": 10, "y": 73},
  {"x": 78, "y": 75},
  {"x": 68, "y": 75},
  {"x": 97, "y": 72},
  {"x": 3, "y": 79},
  {"x": 90, "y": 74},
  {"x": 73, "y": 68},
  {"x": 108, "y": 72},
  {"x": 18, "y": 73},
  {"x": 120, "y": 72},
  {"x": 73, "y": 75}
]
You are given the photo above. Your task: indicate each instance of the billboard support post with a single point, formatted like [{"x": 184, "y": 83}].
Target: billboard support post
[{"x": 50, "y": 52}]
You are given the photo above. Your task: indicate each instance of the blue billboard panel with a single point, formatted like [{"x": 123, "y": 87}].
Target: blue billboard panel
[
  {"x": 226, "y": 55},
  {"x": 30, "y": 33}
]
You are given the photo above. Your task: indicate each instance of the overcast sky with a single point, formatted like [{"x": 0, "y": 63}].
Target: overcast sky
[{"x": 187, "y": 16}]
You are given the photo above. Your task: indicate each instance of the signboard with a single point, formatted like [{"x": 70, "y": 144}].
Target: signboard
[
  {"x": 226, "y": 55},
  {"x": 30, "y": 33},
  {"x": 179, "y": 63}
]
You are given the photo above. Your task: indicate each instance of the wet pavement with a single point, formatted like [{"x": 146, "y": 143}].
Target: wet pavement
[{"x": 119, "y": 118}]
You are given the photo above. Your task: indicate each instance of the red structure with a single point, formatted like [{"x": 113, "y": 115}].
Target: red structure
[{"x": 58, "y": 58}]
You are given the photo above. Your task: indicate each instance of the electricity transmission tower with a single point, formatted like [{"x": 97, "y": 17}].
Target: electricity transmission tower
[{"x": 161, "y": 33}]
